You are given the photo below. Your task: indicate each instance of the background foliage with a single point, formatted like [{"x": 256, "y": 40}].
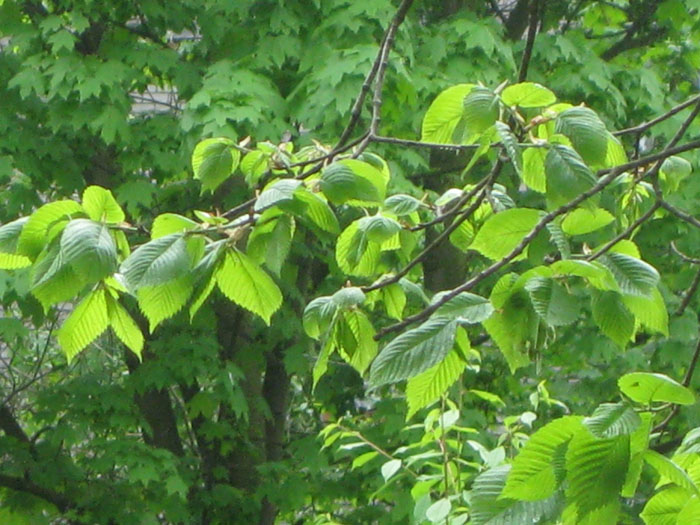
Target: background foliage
[{"x": 209, "y": 411}]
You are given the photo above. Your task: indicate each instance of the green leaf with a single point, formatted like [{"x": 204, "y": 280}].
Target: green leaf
[
  {"x": 533, "y": 172},
  {"x": 649, "y": 311},
  {"x": 354, "y": 337},
  {"x": 489, "y": 508},
  {"x": 401, "y": 205},
  {"x": 647, "y": 388},
  {"x": 414, "y": 351},
  {"x": 463, "y": 236},
  {"x": 673, "y": 171},
  {"x": 318, "y": 316},
  {"x": 595, "y": 470},
  {"x": 378, "y": 228},
  {"x": 276, "y": 193},
  {"x": 313, "y": 207},
  {"x": 466, "y": 306},
  {"x": 528, "y": 95},
  {"x": 213, "y": 161},
  {"x": 438, "y": 511},
  {"x": 615, "y": 154},
  {"x": 353, "y": 181},
  {"x": 10, "y": 261},
  {"x": 254, "y": 164},
  {"x": 480, "y": 113},
  {"x": 586, "y": 131},
  {"x": 512, "y": 327},
  {"x": 247, "y": 285},
  {"x": 157, "y": 262},
  {"x": 44, "y": 224},
  {"x": 9, "y": 235},
  {"x": 690, "y": 513},
  {"x": 390, "y": 468},
  {"x": 567, "y": 175},
  {"x": 169, "y": 223},
  {"x": 89, "y": 247},
  {"x": 663, "y": 508},
  {"x": 537, "y": 469},
  {"x": 582, "y": 220},
  {"x": 355, "y": 253},
  {"x": 124, "y": 326},
  {"x": 510, "y": 143},
  {"x": 162, "y": 301},
  {"x": 670, "y": 471},
  {"x": 502, "y": 232},
  {"x": 634, "y": 276},
  {"x": 84, "y": 324},
  {"x": 612, "y": 419},
  {"x": 271, "y": 240},
  {"x": 612, "y": 317},
  {"x": 428, "y": 386},
  {"x": 444, "y": 113},
  {"x": 552, "y": 302},
  {"x": 639, "y": 442},
  {"x": 394, "y": 299},
  {"x": 348, "y": 297},
  {"x": 101, "y": 206}
]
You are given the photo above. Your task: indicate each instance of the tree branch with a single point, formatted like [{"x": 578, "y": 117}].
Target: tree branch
[
  {"x": 59, "y": 500},
  {"x": 534, "y": 20},
  {"x": 641, "y": 128}
]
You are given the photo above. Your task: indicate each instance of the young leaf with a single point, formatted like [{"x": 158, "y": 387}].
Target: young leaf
[
  {"x": 390, "y": 468},
  {"x": 664, "y": 507},
  {"x": 444, "y": 113},
  {"x": 528, "y": 95},
  {"x": 414, "y": 351},
  {"x": 84, "y": 324},
  {"x": 647, "y": 388},
  {"x": 536, "y": 471},
  {"x": 355, "y": 253},
  {"x": 10, "y": 261},
  {"x": 480, "y": 113},
  {"x": 401, "y": 204},
  {"x": 394, "y": 299},
  {"x": 650, "y": 311},
  {"x": 168, "y": 223},
  {"x": 512, "y": 327},
  {"x": 502, "y": 232},
  {"x": 242, "y": 281},
  {"x": 124, "y": 326},
  {"x": 213, "y": 161},
  {"x": 354, "y": 336},
  {"x": 157, "y": 262},
  {"x": 101, "y": 206},
  {"x": 428, "y": 386}
]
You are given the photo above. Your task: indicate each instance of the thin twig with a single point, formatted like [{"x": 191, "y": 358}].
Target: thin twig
[
  {"x": 685, "y": 257},
  {"x": 640, "y": 128},
  {"x": 626, "y": 233},
  {"x": 688, "y": 295}
]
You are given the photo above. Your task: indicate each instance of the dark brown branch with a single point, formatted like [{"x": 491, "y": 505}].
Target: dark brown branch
[
  {"x": 10, "y": 426},
  {"x": 680, "y": 214},
  {"x": 60, "y": 501},
  {"x": 641, "y": 128},
  {"x": 632, "y": 37},
  {"x": 534, "y": 20},
  {"x": 687, "y": 258}
]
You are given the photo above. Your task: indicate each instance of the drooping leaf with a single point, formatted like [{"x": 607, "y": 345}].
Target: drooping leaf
[
  {"x": 124, "y": 326},
  {"x": 162, "y": 301},
  {"x": 428, "y": 386},
  {"x": 639, "y": 442},
  {"x": 89, "y": 247},
  {"x": 101, "y": 206},
  {"x": 313, "y": 208},
  {"x": 480, "y": 113},
  {"x": 318, "y": 315},
  {"x": 271, "y": 240},
  {"x": 355, "y": 253},
  {"x": 354, "y": 337},
  {"x": 414, "y": 351},
  {"x": 85, "y": 323},
  {"x": 502, "y": 232},
  {"x": 44, "y": 224},
  {"x": 646, "y": 388},
  {"x": 378, "y": 228},
  {"x": 247, "y": 285},
  {"x": 512, "y": 327},
  {"x": 353, "y": 181},
  {"x": 510, "y": 143},
  {"x": 670, "y": 471},
  {"x": 537, "y": 469},
  {"x": 533, "y": 172},
  {"x": 394, "y": 299},
  {"x": 528, "y": 95},
  {"x": 649, "y": 311}
]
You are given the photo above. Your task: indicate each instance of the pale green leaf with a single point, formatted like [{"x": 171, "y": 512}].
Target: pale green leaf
[
  {"x": 124, "y": 326},
  {"x": 670, "y": 471},
  {"x": 646, "y": 388},
  {"x": 85, "y": 323},
  {"x": 650, "y": 311},
  {"x": 444, "y": 113},
  {"x": 533, "y": 172},
  {"x": 428, "y": 386},
  {"x": 162, "y": 301},
  {"x": 101, "y": 206},
  {"x": 10, "y": 261},
  {"x": 247, "y": 285},
  {"x": 634, "y": 276},
  {"x": 612, "y": 317},
  {"x": 552, "y": 302},
  {"x": 213, "y": 161},
  {"x": 612, "y": 419},
  {"x": 156, "y": 262},
  {"x": 586, "y": 131},
  {"x": 355, "y": 253},
  {"x": 528, "y": 95},
  {"x": 168, "y": 223},
  {"x": 502, "y": 232},
  {"x": 663, "y": 508},
  {"x": 582, "y": 220},
  {"x": 414, "y": 351},
  {"x": 390, "y": 468},
  {"x": 394, "y": 299},
  {"x": 44, "y": 224}
]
